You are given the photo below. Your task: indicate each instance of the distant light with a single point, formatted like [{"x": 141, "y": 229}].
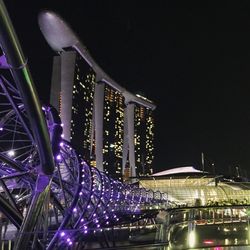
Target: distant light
[
  {"x": 191, "y": 238},
  {"x": 112, "y": 145},
  {"x": 11, "y": 153},
  {"x": 208, "y": 241}
]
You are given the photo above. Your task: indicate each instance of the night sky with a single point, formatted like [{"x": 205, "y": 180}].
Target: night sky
[{"x": 191, "y": 60}]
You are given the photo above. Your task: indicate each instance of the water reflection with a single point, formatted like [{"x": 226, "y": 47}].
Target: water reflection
[{"x": 211, "y": 227}]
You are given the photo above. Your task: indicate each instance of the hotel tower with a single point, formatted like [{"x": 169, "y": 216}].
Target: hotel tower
[{"x": 112, "y": 128}]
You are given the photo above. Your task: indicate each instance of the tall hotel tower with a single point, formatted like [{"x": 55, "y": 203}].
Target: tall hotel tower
[{"x": 112, "y": 128}]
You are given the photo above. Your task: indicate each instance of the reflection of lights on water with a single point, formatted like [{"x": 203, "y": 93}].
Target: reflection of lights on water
[
  {"x": 11, "y": 153},
  {"x": 191, "y": 239}
]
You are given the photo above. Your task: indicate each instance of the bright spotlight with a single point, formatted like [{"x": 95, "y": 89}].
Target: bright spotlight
[{"x": 11, "y": 153}]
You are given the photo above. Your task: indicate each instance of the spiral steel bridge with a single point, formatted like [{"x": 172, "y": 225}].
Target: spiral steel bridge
[{"x": 50, "y": 195}]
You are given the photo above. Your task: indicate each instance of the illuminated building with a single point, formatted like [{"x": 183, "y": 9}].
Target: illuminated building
[
  {"x": 110, "y": 126},
  {"x": 144, "y": 136},
  {"x": 73, "y": 84},
  {"x": 113, "y": 131}
]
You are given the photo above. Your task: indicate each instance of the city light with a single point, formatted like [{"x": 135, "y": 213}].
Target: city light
[
  {"x": 11, "y": 153},
  {"x": 192, "y": 239}
]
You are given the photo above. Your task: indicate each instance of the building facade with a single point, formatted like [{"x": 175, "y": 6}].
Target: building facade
[
  {"x": 112, "y": 128},
  {"x": 72, "y": 93}
]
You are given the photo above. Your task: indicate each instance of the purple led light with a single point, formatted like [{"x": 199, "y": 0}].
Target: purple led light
[{"x": 59, "y": 157}]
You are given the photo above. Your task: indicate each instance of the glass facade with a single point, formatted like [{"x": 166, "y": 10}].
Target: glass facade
[
  {"x": 82, "y": 108},
  {"x": 97, "y": 121},
  {"x": 143, "y": 138},
  {"x": 113, "y": 126},
  {"x": 203, "y": 191}
]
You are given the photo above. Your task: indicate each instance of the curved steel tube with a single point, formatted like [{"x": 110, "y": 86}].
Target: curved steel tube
[{"x": 22, "y": 76}]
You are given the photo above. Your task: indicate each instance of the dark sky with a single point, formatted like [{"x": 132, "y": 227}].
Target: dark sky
[{"x": 192, "y": 60}]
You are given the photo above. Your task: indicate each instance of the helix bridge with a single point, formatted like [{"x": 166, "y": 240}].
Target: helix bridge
[{"x": 50, "y": 195}]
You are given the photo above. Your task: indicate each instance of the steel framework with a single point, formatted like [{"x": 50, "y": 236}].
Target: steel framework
[{"x": 51, "y": 196}]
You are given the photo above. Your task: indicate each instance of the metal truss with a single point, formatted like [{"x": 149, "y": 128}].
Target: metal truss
[{"x": 50, "y": 195}]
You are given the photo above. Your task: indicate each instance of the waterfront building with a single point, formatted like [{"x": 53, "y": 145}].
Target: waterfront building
[
  {"x": 112, "y": 128},
  {"x": 72, "y": 93},
  {"x": 144, "y": 140},
  {"x": 113, "y": 124}
]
